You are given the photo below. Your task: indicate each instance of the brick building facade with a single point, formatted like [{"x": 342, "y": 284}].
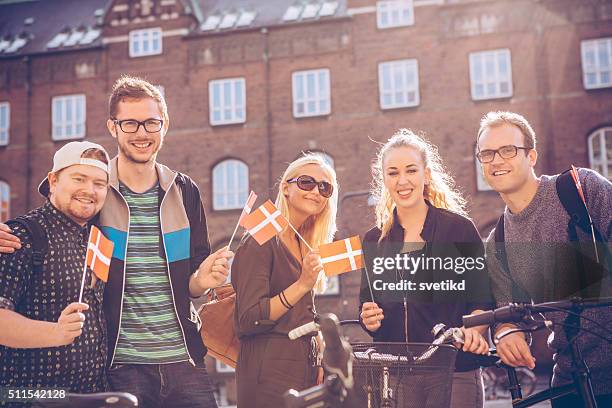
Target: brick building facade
[{"x": 431, "y": 65}]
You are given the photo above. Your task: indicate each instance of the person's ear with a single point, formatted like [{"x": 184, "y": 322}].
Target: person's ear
[
  {"x": 112, "y": 128},
  {"x": 427, "y": 176},
  {"x": 53, "y": 178},
  {"x": 285, "y": 188},
  {"x": 533, "y": 157}
]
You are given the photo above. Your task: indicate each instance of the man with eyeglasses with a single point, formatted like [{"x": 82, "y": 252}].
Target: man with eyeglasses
[
  {"x": 155, "y": 217},
  {"x": 539, "y": 266}
]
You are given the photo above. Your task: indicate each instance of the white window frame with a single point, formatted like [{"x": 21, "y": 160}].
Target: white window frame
[
  {"x": 77, "y": 127},
  {"x": 221, "y": 367},
  {"x": 142, "y": 37},
  {"x": 388, "y": 8},
  {"x": 405, "y": 68},
  {"x": 601, "y": 73},
  {"x": 497, "y": 77},
  {"x": 322, "y": 93},
  {"x": 5, "y": 123},
  {"x": 227, "y": 105},
  {"x": 603, "y": 161},
  {"x": 239, "y": 195},
  {"x": 5, "y": 201}
]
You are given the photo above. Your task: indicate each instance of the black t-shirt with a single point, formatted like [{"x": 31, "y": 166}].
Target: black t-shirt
[{"x": 78, "y": 367}]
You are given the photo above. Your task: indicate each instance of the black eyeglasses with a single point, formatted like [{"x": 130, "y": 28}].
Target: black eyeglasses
[
  {"x": 505, "y": 152},
  {"x": 308, "y": 183},
  {"x": 132, "y": 125}
]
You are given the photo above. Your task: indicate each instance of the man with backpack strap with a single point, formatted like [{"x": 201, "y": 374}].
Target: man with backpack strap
[
  {"x": 543, "y": 248},
  {"x": 47, "y": 339}
]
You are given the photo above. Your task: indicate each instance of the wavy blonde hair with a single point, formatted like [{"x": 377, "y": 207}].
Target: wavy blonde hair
[{"x": 440, "y": 191}]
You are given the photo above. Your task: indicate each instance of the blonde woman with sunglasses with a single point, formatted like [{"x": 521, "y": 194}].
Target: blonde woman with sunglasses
[{"x": 275, "y": 284}]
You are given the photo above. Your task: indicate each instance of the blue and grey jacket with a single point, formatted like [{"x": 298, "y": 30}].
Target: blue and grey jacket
[{"x": 185, "y": 244}]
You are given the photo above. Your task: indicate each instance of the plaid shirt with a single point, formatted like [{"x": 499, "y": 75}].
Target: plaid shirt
[{"x": 78, "y": 367}]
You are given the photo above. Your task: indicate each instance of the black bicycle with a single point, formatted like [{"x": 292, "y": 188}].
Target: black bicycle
[
  {"x": 530, "y": 318},
  {"x": 96, "y": 400}
]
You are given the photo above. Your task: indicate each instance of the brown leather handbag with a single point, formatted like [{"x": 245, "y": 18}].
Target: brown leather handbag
[{"x": 217, "y": 331}]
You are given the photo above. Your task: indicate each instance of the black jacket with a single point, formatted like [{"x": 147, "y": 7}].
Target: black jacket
[{"x": 447, "y": 235}]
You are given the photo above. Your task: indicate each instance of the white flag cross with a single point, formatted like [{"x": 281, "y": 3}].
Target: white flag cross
[
  {"x": 350, "y": 254},
  {"x": 270, "y": 219},
  {"x": 97, "y": 253}
]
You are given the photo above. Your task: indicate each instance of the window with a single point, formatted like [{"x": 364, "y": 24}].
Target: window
[
  {"x": 311, "y": 93},
  {"x": 5, "y": 201},
  {"x": 230, "y": 185},
  {"x": 491, "y": 74},
  {"x": 227, "y": 101},
  {"x": 221, "y": 367},
  {"x": 398, "y": 84},
  {"x": 394, "y": 13},
  {"x": 145, "y": 42},
  {"x": 5, "y": 122},
  {"x": 333, "y": 287},
  {"x": 481, "y": 183},
  {"x": 68, "y": 113},
  {"x": 597, "y": 63},
  {"x": 600, "y": 151}
]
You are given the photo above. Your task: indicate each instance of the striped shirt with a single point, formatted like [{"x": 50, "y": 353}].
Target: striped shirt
[{"x": 150, "y": 330}]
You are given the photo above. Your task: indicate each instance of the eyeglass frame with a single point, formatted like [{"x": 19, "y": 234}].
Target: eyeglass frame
[
  {"x": 140, "y": 123},
  {"x": 497, "y": 151},
  {"x": 317, "y": 184}
]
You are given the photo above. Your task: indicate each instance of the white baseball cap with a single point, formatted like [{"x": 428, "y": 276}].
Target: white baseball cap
[{"x": 70, "y": 155}]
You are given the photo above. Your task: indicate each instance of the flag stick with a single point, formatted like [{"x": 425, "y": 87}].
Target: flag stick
[
  {"x": 301, "y": 237},
  {"x": 229, "y": 246},
  {"x": 368, "y": 279},
  {"x": 83, "y": 281}
]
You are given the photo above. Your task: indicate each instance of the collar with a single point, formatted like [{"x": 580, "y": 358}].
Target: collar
[
  {"x": 165, "y": 176},
  {"x": 71, "y": 226},
  {"x": 397, "y": 231}
]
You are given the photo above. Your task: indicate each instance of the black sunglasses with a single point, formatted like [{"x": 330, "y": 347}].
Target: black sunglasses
[{"x": 308, "y": 183}]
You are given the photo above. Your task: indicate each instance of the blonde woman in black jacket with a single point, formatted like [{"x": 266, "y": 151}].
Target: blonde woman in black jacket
[{"x": 420, "y": 215}]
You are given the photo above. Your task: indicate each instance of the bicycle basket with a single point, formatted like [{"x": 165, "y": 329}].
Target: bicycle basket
[{"x": 403, "y": 375}]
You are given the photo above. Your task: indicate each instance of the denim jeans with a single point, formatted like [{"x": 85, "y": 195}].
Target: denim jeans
[{"x": 164, "y": 385}]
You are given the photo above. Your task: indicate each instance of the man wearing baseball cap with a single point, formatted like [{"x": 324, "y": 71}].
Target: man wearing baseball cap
[{"x": 47, "y": 338}]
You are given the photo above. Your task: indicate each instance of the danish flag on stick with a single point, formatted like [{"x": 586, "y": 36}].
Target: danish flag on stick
[
  {"x": 341, "y": 256},
  {"x": 265, "y": 222},
  {"x": 98, "y": 258},
  {"x": 99, "y": 253}
]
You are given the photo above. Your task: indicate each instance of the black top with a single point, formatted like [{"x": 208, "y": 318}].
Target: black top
[
  {"x": 78, "y": 367},
  {"x": 450, "y": 237}
]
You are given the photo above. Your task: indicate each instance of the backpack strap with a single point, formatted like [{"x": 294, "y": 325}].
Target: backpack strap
[
  {"x": 39, "y": 239},
  {"x": 579, "y": 218},
  {"x": 574, "y": 206}
]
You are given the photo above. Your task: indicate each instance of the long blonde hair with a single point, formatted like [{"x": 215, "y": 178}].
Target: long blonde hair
[
  {"x": 440, "y": 191},
  {"x": 319, "y": 229}
]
